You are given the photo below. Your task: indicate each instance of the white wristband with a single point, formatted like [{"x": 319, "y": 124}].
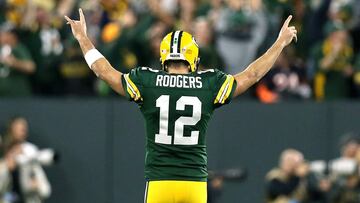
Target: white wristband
[{"x": 91, "y": 56}]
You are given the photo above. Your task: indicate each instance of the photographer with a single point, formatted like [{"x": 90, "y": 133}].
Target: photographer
[
  {"x": 287, "y": 183},
  {"x": 27, "y": 182},
  {"x": 293, "y": 182},
  {"x": 344, "y": 171}
]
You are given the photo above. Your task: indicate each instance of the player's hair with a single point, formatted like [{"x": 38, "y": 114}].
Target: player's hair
[{"x": 176, "y": 63}]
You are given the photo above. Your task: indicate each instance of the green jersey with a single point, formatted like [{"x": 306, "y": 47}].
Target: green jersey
[
  {"x": 177, "y": 109},
  {"x": 12, "y": 81}
]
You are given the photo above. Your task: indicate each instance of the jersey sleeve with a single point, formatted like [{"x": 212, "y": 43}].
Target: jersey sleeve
[
  {"x": 225, "y": 86},
  {"x": 132, "y": 84}
]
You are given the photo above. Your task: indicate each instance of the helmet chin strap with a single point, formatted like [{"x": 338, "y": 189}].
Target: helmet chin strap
[
  {"x": 163, "y": 66},
  {"x": 197, "y": 63}
]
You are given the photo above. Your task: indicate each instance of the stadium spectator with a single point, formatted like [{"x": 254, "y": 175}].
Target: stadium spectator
[
  {"x": 356, "y": 78},
  {"x": 347, "y": 13},
  {"x": 163, "y": 10},
  {"x": 286, "y": 81},
  {"x": 341, "y": 11},
  {"x": 241, "y": 28},
  {"x": 29, "y": 183},
  {"x": 118, "y": 42},
  {"x": 334, "y": 64},
  {"x": 203, "y": 34},
  {"x": 127, "y": 30},
  {"x": 75, "y": 74},
  {"x": 15, "y": 64},
  {"x": 154, "y": 36},
  {"x": 188, "y": 10},
  {"x": 46, "y": 48},
  {"x": 302, "y": 12},
  {"x": 210, "y": 9},
  {"x": 317, "y": 22}
]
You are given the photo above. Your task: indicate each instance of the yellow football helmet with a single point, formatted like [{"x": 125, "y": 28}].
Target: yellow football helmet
[{"x": 180, "y": 45}]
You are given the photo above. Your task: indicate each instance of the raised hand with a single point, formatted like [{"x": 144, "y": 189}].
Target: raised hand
[
  {"x": 287, "y": 34},
  {"x": 78, "y": 27}
]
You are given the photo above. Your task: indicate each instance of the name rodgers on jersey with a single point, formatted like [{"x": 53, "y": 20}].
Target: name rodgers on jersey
[{"x": 179, "y": 81}]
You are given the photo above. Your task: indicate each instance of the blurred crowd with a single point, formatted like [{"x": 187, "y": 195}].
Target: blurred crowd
[
  {"x": 297, "y": 180},
  {"x": 39, "y": 56}
]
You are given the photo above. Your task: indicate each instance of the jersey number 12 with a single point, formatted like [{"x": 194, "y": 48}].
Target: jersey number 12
[{"x": 163, "y": 102}]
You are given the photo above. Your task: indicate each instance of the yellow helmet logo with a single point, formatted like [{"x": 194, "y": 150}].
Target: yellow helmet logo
[{"x": 179, "y": 45}]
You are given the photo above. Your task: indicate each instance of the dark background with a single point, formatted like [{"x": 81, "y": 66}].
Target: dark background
[{"x": 102, "y": 142}]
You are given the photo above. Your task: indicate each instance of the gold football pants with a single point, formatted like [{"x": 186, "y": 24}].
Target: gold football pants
[{"x": 165, "y": 191}]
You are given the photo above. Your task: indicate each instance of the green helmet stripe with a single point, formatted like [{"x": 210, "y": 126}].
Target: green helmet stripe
[
  {"x": 175, "y": 42},
  {"x": 179, "y": 42}
]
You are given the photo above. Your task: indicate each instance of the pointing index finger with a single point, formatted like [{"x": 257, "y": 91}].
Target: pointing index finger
[
  {"x": 81, "y": 14},
  {"x": 287, "y": 22}
]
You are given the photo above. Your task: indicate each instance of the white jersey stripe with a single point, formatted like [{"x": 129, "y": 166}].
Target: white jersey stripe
[
  {"x": 224, "y": 92},
  {"x": 129, "y": 86},
  {"x": 146, "y": 191}
]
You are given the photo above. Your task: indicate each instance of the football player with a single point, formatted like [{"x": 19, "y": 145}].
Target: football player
[{"x": 177, "y": 103}]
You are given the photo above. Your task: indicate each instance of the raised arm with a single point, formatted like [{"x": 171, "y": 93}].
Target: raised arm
[
  {"x": 26, "y": 66},
  {"x": 101, "y": 67},
  {"x": 256, "y": 70}
]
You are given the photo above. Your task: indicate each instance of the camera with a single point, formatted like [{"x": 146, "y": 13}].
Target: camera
[
  {"x": 340, "y": 167},
  {"x": 31, "y": 154},
  {"x": 234, "y": 174}
]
